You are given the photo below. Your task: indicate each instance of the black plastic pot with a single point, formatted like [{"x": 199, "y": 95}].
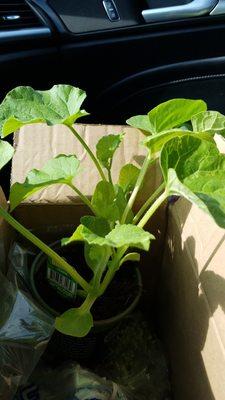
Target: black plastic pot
[{"x": 67, "y": 347}]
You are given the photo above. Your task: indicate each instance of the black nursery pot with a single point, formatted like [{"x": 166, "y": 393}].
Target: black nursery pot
[{"x": 119, "y": 300}]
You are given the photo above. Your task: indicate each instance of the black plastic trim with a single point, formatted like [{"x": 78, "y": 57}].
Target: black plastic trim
[
  {"x": 152, "y": 79},
  {"x": 24, "y": 34},
  {"x": 52, "y": 16},
  {"x": 142, "y": 28},
  {"x": 197, "y": 69}
]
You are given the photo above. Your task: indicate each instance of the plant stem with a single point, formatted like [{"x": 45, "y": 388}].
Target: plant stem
[
  {"x": 147, "y": 204},
  {"x": 46, "y": 249},
  {"x": 87, "y": 148},
  {"x": 113, "y": 268},
  {"x": 152, "y": 209},
  {"x": 109, "y": 174},
  {"x": 83, "y": 197},
  {"x": 139, "y": 182},
  {"x": 115, "y": 262},
  {"x": 88, "y": 302}
]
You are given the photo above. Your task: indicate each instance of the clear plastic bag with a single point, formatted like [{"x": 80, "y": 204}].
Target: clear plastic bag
[
  {"x": 24, "y": 328},
  {"x": 69, "y": 382}
]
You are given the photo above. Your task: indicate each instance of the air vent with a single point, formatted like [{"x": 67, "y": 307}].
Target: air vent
[{"x": 16, "y": 14}]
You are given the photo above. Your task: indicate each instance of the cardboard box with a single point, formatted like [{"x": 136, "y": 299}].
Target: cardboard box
[{"x": 191, "y": 288}]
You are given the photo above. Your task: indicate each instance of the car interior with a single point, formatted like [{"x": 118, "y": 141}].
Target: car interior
[{"x": 128, "y": 55}]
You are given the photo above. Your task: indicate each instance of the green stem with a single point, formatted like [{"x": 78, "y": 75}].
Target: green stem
[
  {"x": 109, "y": 174},
  {"x": 152, "y": 209},
  {"x": 116, "y": 260},
  {"x": 147, "y": 204},
  {"x": 46, "y": 249},
  {"x": 139, "y": 182},
  {"x": 113, "y": 268},
  {"x": 83, "y": 197},
  {"x": 88, "y": 303},
  {"x": 87, "y": 148}
]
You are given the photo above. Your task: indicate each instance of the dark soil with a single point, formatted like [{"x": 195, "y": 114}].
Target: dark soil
[{"x": 119, "y": 295}]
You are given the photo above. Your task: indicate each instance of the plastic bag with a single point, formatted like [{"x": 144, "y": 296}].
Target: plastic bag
[
  {"x": 70, "y": 382},
  {"x": 24, "y": 329}
]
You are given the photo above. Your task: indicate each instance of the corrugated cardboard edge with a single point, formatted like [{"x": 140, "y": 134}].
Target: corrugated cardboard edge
[{"x": 195, "y": 340}]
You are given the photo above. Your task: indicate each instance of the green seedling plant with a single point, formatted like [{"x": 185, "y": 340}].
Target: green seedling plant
[{"x": 178, "y": 134}]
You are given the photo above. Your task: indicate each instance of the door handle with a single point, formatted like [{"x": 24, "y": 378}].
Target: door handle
[{"x": 195, "y": 8}]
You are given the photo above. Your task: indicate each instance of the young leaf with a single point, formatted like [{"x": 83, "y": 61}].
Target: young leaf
[
  {"x": 157, "y": 141},
  {"x": 96, "y": 231},
  {"x": 108, "y": 201},
  {"x": 141, "y": 122},
  {"x": 97, "y": 258},
  {"x": 106, "y": 148},
  {"x": 74, "y": 322},
  {"x": 128, "y": 177},
  {"x": 195, "y": 169},
  {"x": 209, "y": 121},
  {"x": 103, "y": 201},
  {"x": 77, "y": 236},
  {"x": 61, "y": 169},
  {"x": 121, "y": 202},
  {"x": 6, "y": 153},
  {"x": 168, "y": 115},
  {"x": 174, "y": 113},
  {"x": 93, "y": 230},
  {"x": 24, "y": 105},
  {"x": 96, "y": 255},
  {"x": 130, "y": 235}
]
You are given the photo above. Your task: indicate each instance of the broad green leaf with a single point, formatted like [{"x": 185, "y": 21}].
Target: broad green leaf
[
  {"x": 130, "y": 235},
  {"x": 174, "y": 113},
  {"x": 134, "y": 257},
  {"x": 156, "y": 142},
  {"x": 209, "y": 121},
  {"x": 195, "y": 169},
  {"x": 6, "y": 153},
  {"x": 61, "y": 169},
  {"x": 24, "y": 105},
  {"x": 141, "y": 122},
  {"x": 128, "y": 177},
  {"x": 74, "y": 322},
  {"x": 93, "y": 230},
  {"x": 96, "y": 231},
  {"x": 106, "y": 148},
  {"x": 108, "y": 201}
]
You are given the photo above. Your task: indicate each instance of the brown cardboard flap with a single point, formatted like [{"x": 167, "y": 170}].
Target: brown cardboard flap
[
  {"x": 36, "y": 144},
  {"x": 194, "y": 303}
]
